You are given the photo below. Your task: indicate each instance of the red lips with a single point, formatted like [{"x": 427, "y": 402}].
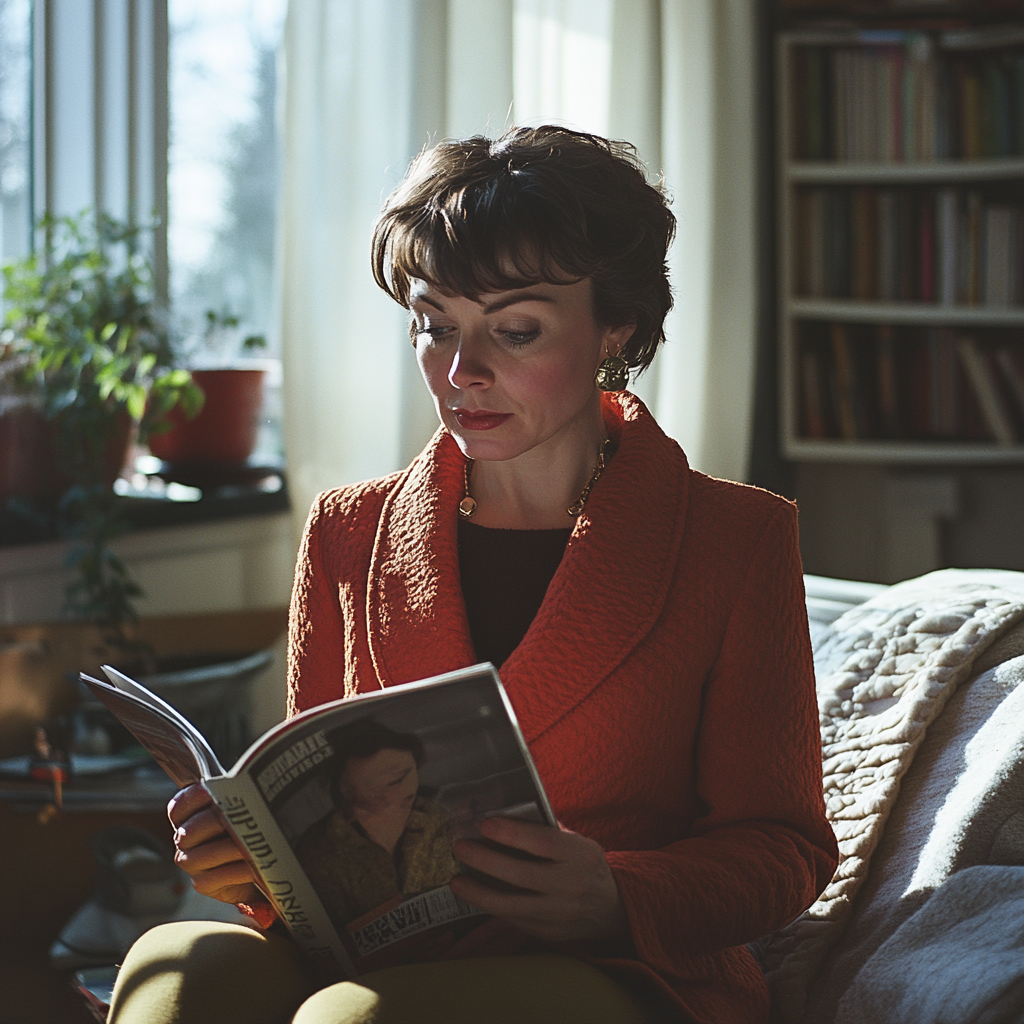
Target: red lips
[{"x": 481, "y": 419}]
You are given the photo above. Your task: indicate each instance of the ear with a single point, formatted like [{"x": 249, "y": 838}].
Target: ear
[{"x": 614, "y": 338}]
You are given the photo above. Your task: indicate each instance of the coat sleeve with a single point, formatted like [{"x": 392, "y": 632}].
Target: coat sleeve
[
  {"x": 316, "y": 628},
  {"x": 763, "y": 850}
]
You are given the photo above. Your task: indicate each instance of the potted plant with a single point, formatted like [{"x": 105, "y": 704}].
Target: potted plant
[
  {"x": 89, "y": 364},
  {"x": 225, "y": 430}
]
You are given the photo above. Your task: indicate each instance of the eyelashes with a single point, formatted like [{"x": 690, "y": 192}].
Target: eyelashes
[{"x": 514, "y": 339}]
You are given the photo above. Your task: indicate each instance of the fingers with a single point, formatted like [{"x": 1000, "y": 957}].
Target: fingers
[
  {"x": 522, "y": 873},
  {"x": 210, "y": 856},
  {"x": 186, "y": 802},
  {"x": 199, "y": 828},
  {"x": 227, "y": 885},
  {"x": 540, "y": 840},
  {"x": 491, "y": 901}
]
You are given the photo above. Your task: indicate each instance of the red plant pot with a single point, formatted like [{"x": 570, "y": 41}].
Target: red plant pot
[
  {"x": 28, "y": 463},
  {"x": 226, "y": 427},
  {"x": 29, "y": 466}
]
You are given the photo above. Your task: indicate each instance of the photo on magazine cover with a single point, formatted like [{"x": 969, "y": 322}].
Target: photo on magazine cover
[{"x": 372, "y": 803}]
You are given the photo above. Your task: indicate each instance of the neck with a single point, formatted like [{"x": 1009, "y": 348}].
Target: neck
[{"x": 534, "y": 490}]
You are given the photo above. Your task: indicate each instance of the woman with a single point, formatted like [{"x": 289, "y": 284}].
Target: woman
[
  {"x": 392, "y": 839},
  {"x": 648, "y": 621}
]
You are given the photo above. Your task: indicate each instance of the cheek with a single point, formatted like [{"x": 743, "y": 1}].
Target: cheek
[
  {"x": 434, "y": 368},
  {"x": 554, "y": 382}
]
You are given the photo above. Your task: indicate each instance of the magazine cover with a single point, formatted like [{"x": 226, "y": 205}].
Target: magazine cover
[{"x": 348, "y": 811}]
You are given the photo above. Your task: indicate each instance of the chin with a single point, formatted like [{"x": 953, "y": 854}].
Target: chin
[{"x": 486, "y": 449}]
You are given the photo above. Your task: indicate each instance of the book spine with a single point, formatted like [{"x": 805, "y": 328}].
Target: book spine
[
  {"x": 818, "y": 276},
  {"x": 888, "y": 246},
  {"x": 948, "y": 385},
  {"x": 1007, "y": 360},
  {"x": 812, "y": 404},
  {"x": 972, "y": 250},
  {"x": 926, "y": 254},
  {"x": 1017, "y": 103},
  {"x": 985, "y": 388},
  {"x": 865, "y": 242},
  {"x": 911, "y": 106},
  {"x": 948, "y": 245},
  {"x": 998, "y": 241},
  {"x": 888, "y": 402},
  {"x": 896, "y": 66},
  {"x": 907, "y": 249},
  {"x": 845, "y": 384},
  {"x": 280, "y": 875}
]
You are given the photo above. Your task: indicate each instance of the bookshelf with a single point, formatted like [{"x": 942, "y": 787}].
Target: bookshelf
[{"x": 900, "y": 175}]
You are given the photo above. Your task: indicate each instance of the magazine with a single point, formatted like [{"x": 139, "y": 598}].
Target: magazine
[{"x": 347, "y": 812}]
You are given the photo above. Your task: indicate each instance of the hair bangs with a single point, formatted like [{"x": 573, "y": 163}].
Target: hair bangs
[{"x": 472, "y": 244}]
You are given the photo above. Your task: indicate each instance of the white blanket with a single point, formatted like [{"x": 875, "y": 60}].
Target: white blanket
[{"x": 885, "y": 673}]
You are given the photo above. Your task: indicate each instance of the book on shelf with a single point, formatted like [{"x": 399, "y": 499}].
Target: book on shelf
[
  {"x": 1009, "y": 362},
  {"x": 894, "y": 96},
  {"x": 986, "y": 389},
  {"x": 317, "y": 801},
  {"x": 949, "y": 245},
  {"x": 864, "y": 382}
]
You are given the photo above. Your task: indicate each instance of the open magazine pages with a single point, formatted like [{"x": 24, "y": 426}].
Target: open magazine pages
[
  {"x": 348, "y": 811},
  {"x": 176, "y": 745}
]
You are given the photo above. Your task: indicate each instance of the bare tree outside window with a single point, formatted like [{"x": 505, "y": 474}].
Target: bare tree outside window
[
  {"x": 15, "y": 135},
  {"x": 223, "y": 177}
]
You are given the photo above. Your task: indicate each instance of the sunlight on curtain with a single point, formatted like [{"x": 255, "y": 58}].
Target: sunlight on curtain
[
  {"x": 705, "y": 393},
  {"x": 562, "y": 52}
]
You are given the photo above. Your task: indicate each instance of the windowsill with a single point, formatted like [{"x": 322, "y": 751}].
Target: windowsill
[
  {"x": 226, "y": 501},
  {"x": 226, "y": 552}
]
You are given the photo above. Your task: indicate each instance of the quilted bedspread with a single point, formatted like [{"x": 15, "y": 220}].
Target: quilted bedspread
[{"x": 885, "y": 672}]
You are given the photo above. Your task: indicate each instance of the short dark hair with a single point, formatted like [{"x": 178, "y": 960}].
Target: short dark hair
[
  {"x": 536, "y": 204},
  {"x": 364, "y": 738}
]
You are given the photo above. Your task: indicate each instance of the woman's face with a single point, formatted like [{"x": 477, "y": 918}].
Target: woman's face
[
  {"x": 511, "y": 370},
  {"x": 383, "y": 784}
]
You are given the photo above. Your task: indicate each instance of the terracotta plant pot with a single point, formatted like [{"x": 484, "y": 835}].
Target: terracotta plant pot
[
  {"x": 28, "y": 462},
  {"x": 29, "y": 466},
  {"x": 225, "y": 429}
]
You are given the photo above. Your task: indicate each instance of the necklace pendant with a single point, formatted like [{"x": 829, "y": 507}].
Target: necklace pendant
[{"x": 467, "y": 507}]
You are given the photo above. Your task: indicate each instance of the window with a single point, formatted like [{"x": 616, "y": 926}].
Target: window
[
  {"x": 222, "y": 182},
  {"x": 15, "y": 131}
]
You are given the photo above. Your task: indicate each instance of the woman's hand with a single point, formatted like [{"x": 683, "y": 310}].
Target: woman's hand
[
  {"x": 573, "y": 895},
  {"x": 205, "y": 850}
]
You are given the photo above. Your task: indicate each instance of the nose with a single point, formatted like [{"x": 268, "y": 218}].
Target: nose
[{"x": 470, "y": 366}]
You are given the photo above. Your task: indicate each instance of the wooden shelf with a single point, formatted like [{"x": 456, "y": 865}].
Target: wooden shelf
[
  {"x": 919, "y": 172},
  {"x": 923, "y": 313},
  {"x": 904, "y": 452},
  {"x": 794, "y": 174}
]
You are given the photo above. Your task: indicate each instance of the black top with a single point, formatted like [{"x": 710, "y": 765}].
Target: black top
[{"x": 505, "y": 574}]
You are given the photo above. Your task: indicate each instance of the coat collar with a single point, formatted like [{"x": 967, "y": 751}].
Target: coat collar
[{"x": 605, "y": 597}]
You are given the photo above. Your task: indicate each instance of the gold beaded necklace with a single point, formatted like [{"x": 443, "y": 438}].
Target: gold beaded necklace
[{"x": 467, "y": 507}]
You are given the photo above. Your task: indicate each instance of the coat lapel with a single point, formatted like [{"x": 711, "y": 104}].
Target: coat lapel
[
  {"x": 416, "y": 618},
  {"x": 613, "y": 581},
  {"x": 603, "y": 600}
]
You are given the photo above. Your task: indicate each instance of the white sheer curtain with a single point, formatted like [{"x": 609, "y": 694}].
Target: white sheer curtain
[{"x": 370, "y": 82}]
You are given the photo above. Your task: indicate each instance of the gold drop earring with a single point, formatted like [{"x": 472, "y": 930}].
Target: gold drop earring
[{"x": 612, "y": 374}]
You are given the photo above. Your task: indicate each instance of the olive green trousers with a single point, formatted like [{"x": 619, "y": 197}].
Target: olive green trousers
[{"x": 204, "y": 972}]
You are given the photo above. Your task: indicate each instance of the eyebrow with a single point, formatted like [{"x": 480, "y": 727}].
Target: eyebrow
[{"x": 493, "y": 307}]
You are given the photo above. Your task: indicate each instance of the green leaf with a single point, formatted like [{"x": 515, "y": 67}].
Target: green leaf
[{"x": 137, "y": 402}]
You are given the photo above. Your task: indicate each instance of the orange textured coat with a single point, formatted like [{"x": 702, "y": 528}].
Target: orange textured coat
[{"x": 665, "y": 687}]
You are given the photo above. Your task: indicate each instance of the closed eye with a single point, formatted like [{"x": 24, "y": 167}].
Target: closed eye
[
  {"x": 519, "y": 338},
  {"x": 435, "y": 332}
]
